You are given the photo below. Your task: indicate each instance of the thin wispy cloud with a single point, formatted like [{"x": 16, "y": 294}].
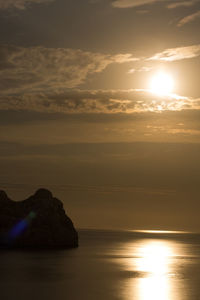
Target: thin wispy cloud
[
  {"x": 132, "y": 3},
  {"x": 39, "y": 68},
  {"x": 189, "y": 19},
  {"x": 137, "y": 3},
  {"x": 179, "y": 53},
  {"x": 181, "y": 4},
  {"x": 20, "y": 4},
  {"x": 140, "y": 69}
]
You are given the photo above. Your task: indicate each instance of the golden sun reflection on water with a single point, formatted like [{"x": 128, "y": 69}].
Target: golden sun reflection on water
[
  {"x": 154, "y": 261},
  {"x": 154, "y": 258}
]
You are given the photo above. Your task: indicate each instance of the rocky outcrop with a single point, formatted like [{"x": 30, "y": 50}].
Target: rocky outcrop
[{"x": 37, "y": 222}]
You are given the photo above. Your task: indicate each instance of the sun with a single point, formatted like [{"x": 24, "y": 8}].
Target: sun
[{"x": 162, "y": 83}]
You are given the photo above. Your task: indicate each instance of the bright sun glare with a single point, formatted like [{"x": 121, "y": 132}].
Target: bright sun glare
[{"x": 162, "y": 83}]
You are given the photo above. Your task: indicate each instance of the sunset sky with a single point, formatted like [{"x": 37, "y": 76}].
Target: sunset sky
[{"x": 79, "y": 116}]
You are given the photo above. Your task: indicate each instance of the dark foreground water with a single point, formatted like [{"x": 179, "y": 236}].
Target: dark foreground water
[{"x": 107, "y": 265}]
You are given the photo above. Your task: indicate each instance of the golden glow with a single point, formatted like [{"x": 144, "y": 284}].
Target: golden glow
[{"x": 162, "y": 83}]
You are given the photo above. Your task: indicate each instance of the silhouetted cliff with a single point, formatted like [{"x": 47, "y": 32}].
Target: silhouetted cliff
[{"x": 39, "y": 221}]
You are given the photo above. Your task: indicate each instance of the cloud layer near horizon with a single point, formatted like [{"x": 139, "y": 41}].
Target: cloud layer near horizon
[{"x": 97, "y": 101}]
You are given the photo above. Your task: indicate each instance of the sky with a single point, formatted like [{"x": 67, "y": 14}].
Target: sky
[{"x": 78, "y": 114}]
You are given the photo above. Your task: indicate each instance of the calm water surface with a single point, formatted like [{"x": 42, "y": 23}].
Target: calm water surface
[{"x": 107, "y": 265}]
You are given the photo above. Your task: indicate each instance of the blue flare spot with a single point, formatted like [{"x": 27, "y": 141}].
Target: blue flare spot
[
  {"x": 18, "y": 228},
  {"x": 21, "y": 226}
]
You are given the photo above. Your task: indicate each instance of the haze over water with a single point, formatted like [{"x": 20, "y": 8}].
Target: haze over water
[{"x": 107, "y": 265}]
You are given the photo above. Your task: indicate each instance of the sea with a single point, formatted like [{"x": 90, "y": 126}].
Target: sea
[{"x": 114, "y": 265}]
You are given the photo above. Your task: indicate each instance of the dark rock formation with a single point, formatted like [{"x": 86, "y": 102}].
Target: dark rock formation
[{"x": 37, "y": 222}]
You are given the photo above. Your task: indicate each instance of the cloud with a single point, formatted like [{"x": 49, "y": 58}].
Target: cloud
[
  {"x": 96, "y": 101},
  {"x": 131, "y": 3},
  {"x": 20, "y": 4},
  {"x": 140, "y": 69},
  {"x": 45, "y": 80},
  {"x": 139, "y": 3},
  {"x": 39, "y": 68},
  {"x": 182, "y": 3},
  {"x": 189, "y": 19},
  {"x": 131, "y": 71},
  {"x": 173, "y": 54},
  {"x": 122, "y": 58}
]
